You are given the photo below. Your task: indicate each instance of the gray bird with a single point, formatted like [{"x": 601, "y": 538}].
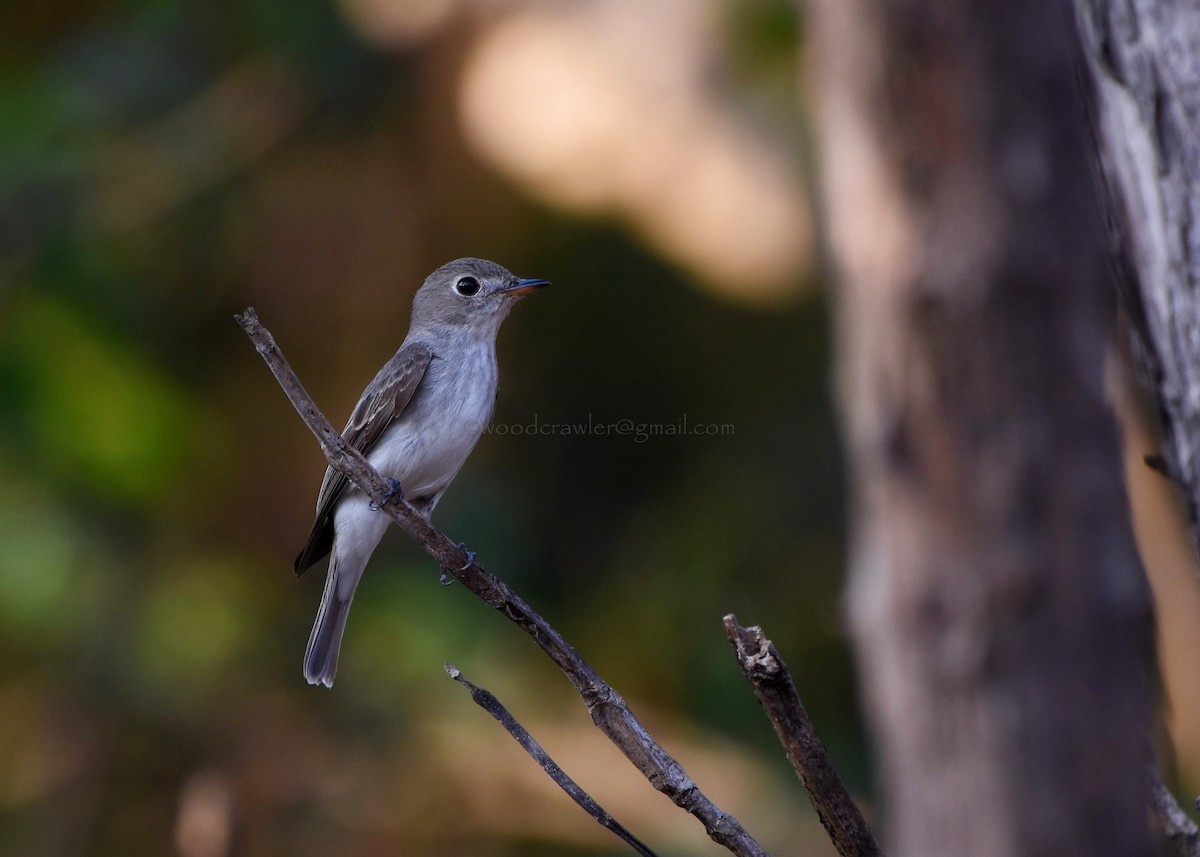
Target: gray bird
[{"x": 416, "y": 422}]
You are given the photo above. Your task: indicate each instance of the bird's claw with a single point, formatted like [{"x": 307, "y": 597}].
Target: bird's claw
[
  {"x": 446, "y": 577},
  {"x": 393, "y": 493}
]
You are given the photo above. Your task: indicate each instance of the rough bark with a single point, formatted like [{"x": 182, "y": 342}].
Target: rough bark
[
  {"x": 1142, "y": 83},
  {"x": 996, "y": 601},
  {"x": 1143, "y": 59},
  {"x": 772, "y": 683}
]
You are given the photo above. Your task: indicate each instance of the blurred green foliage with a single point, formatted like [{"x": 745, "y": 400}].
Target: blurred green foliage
[
  {"x": 88, "y": 407},
  {"x": 154, "y": 484}
]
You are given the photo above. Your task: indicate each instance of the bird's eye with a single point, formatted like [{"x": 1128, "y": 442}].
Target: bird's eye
[{"x": 467, "y": 286}]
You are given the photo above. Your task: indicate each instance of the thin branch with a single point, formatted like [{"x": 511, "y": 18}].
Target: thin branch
[
  {"x": 488, "y": 702},
  {"x": 1180, "y": 831},
  {"x": 772, "y": 683},
  {"x": 606, "y": 707}
]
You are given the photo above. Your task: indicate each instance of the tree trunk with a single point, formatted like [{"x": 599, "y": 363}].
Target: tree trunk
[
  {"x": 1144, "y": 64},
  {"x": 998, "y": 608}
]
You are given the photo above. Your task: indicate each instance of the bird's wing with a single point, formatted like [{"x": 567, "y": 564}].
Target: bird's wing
[{"x": 384, "y": 399}]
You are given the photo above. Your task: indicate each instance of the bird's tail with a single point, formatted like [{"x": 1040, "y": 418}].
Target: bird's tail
[{"x": 325, "y": 641}]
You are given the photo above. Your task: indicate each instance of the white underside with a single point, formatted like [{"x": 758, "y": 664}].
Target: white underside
[{"x": 424, "y": 449}]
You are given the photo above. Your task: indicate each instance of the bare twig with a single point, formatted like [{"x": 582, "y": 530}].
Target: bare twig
[
  {"x": 772, "y": 683},
  {"x": 606, "y": 707},
  {"x": 1179, "y": 830},
  {"x": 488, "y": 702}
]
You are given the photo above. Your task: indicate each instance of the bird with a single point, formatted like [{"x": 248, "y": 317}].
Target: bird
[{"x": 416, "y": 423}]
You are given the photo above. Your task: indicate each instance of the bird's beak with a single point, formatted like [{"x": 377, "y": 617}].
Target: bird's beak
[{"x": 524, "y": 287}]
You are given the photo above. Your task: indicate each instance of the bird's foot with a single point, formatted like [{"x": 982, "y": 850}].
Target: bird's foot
[
  {"x": 446, "y": 576},
  {"x": 391, "y": 495}
]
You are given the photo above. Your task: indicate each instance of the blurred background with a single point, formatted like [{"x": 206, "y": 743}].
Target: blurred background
[
  {"x": 167, "y": 163},
  {"x": 164, "y": 164}
]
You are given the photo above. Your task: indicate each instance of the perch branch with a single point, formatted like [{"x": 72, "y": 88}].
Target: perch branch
[
  {"x": 606, "y": 707},
  {"x": 488, "y": 702},
  {"x": 768, "y": 675}
]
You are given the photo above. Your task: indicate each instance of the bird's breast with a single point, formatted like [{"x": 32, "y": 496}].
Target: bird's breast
[{"x": 427, "y": 445}]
